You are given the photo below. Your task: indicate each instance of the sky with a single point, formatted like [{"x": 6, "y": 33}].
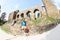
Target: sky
[{"x": 9, "y": 6}]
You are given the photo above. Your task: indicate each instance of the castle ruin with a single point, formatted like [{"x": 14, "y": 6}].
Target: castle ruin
[
  {"x": 33, "y": 13},
  {"x": 49, "y": 7}
]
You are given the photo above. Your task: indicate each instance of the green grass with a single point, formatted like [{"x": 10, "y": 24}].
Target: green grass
[
  {"x": 51, "y": 19},
  {"x": 5, "y": 29},
  {"x": 48, "y": 18},
  {"x": 37, "y": 21}
]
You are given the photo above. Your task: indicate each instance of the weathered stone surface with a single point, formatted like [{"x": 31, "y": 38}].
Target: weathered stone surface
[
  {"x": 44, "y": 28},
  {"x": 51, "y": 9}
]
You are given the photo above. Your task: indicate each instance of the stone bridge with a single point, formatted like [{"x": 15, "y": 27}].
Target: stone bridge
[{"x": 32, "y": 13}]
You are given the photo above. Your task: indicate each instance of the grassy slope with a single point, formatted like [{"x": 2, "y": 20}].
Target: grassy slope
[
  {"x": 40, "y": 20},
  {"x": 51, "y": 19},
  {"x": 3, "y": 28}
]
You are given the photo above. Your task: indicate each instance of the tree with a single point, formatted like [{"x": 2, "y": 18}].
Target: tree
[
  {"x": 2, "y": 19},
  {"x": 3, "y": 15},
  {"x": 0, "y": 8}
]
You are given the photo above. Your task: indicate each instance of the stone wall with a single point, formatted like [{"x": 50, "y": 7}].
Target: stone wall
[
  {"x": 12, "y": 15},
  {"x": 31, "y": 10},
  {"x": 26, "y": 12}
]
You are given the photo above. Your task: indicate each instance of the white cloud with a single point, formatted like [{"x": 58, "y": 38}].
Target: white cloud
[
  {"x": 16, "y": 7},
  {"x": 0, "y": 2},
  {"x": 57, "y": 3}
]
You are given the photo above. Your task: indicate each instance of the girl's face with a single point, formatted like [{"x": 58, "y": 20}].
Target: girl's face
[{"x": 23, "y": 19}]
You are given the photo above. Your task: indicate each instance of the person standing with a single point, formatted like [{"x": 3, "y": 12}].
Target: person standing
[{"x": 24, "y": 27}]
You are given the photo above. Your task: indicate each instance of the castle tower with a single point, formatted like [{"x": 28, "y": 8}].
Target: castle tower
[{"x": 51, "y": 9}]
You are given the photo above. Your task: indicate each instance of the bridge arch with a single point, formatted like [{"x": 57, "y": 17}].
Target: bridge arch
[
  {"x": 29, "y": 14},
  {"x": 22, "y": 15},
  {"x": 36, "y": 13}
]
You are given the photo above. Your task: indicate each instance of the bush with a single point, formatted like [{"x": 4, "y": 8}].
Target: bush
[
  {"x": 2, "y": 22},
  {"x": 58, "y": 20}
]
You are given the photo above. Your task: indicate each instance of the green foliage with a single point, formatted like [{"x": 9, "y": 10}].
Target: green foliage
[{"x": 2, "y": 22}]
